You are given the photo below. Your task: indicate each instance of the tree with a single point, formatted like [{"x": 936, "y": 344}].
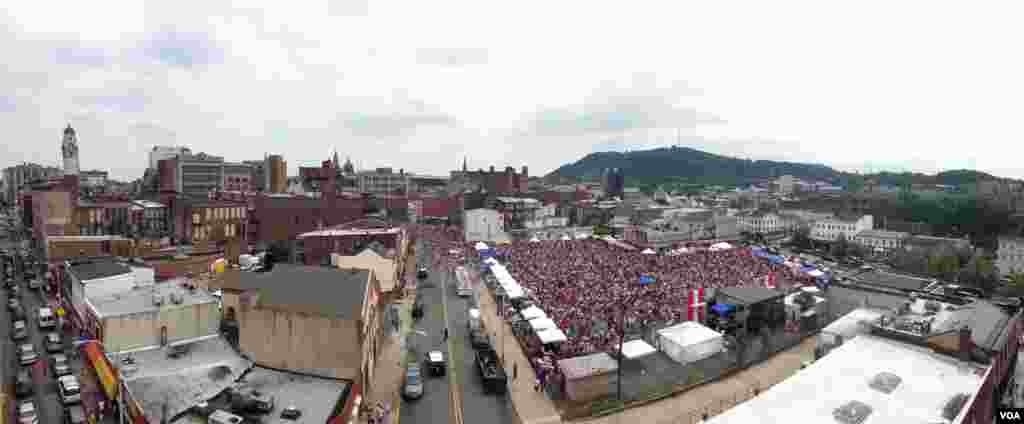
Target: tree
[
  {"x": 980, "y": 273},
  {"x": 944, "y": 266},
  {"x": 602, "y": 230}
]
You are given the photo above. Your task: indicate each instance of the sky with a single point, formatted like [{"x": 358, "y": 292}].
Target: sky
[{"x": 862, "y": 86}]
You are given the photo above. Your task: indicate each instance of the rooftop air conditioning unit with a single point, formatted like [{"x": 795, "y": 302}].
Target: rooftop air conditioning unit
[{"x": 158, "y": 300}]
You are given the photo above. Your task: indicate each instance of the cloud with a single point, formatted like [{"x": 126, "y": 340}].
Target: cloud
[
  {"x": 8, "y": 104},
  {"x": 184, "y": 49},
  {"x": 79, "y": 55},
  {"x": 133, "y": 103},
  {"x": 614, "y": 109},
  {"x": 402, "y": 118},
  {"x": 452, "y": 57}
]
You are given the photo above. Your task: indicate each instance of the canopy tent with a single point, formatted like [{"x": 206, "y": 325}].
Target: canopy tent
[
  {"x": 532, "y": 312},
  {"x": 776, "y": 259},
  {"x": 491, "y": 261},
  {"x": 481, "y": 245},
  {"x": 542, "y": 324},
  {"x": 636, "y": 349},
  {"x": 810, "y": 289},
  {"x": 648, "y": 251},
  {"x": 514, "y": 291},
  {"x": 534, "y": 240},
  {"x": 723, "y": 308},
  {"x": 816, "y": 273},
  {"x": 566, "y": 238},
  {"x": 721, "y": 246},
  {"x": 689, "y": 342},
  {"x": 551, "y": 335},
  {"x": 808, "y": 269}
]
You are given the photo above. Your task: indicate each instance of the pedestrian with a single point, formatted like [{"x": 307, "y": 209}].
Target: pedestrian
[
  {"x": 536, "y": 385},
  {"x": 515, "y": 370},
  {"x": 446, "y": 334}
]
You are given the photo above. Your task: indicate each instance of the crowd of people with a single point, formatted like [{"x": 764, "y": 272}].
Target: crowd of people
[{"x": 579, "y": 282}]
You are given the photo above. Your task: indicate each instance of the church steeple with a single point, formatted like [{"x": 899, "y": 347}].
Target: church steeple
[
  {"x": 69, "y": 151},
  {"x": 336, "y": 164},
  {"x": 348, "y": 168}
]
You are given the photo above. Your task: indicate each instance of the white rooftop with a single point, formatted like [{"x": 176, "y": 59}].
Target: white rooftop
[
  {"x": 140, "y": 299},
  {"x": 926, "y": 382}
]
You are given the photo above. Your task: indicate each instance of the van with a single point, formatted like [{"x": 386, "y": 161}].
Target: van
[
  {"x": 223, "y": 417},
  {"x": 46, "y": 318}
]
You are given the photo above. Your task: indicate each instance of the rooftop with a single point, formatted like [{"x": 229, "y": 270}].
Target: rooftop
[
  {"x": 324, "y": 290},
  {"x": 751, "y": 295},
  {"x": 901, "y": 383},
  {"x": 316, "y": 398},
  {"x": 350, "y": 232},
  {"x": 383, "y": 269},
  {"x": 97, "y": 269},
  {"x": 209, "y": 367},
  {"x": 140, "y": 300}
]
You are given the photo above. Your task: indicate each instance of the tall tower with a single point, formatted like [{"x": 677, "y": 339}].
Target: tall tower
[{"x": 69, "y": 150}]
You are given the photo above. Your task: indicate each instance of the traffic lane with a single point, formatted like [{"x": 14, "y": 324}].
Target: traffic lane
[
  {"x": 433, "y": 407},
  {"x": 47, "y": 401},
  {"x": 477, "y": 405}
]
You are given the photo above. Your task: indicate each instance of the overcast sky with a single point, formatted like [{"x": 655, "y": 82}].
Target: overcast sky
[{"x": 921, "y": 85}]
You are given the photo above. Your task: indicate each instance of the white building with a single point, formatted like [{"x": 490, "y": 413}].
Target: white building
[
  {"x": 484, "y": 225},
  {"x": 1010, "y": 256},
  {"x": 832, "y": 228},
  {"x": 867, "y": 379},
  {"x": 881, "y": 241},
  {"x": 166, "y": 152},
  {"x": 764, "y": 222}
]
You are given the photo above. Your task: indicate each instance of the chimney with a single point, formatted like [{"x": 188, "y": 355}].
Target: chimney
[
  {"x": 965, "y": 343},
  {"x": 492, "y": 169},
  {"x": 526, "y": 171}
]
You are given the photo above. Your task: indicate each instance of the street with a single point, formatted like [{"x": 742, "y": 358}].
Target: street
[
  {"x": 433, "y": 407},
  {"x": 477, "y": 406}
]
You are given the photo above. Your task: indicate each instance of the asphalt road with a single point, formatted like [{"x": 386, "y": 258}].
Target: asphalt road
[
  {"x": 48, "y": 404},
  {"x": 477, "y": 406},
  {"x": 433, "y": 407}
]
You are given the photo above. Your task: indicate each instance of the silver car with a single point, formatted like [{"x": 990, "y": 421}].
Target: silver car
[
  {"x": 27, "y": 413},
  {"x": 27, "y": 354},
  {"x": 413, "y": 383},
  {"x": 60, "y": 365},
  {"x": 19, "y": 331}
]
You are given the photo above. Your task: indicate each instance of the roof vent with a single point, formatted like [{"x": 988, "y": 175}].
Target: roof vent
[
  {"x": 852, "y": 412},
  {"x": 158, "y": 300},
  {"x": 885, "y": 382}
]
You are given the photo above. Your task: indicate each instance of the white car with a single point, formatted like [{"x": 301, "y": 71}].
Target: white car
[
  {"x": 27, "y": 413},
  {"x": 68, "y": 389}
]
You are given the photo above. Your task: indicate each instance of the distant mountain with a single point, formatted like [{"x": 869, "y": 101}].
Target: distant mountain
[{"x": 690, "y": 163}]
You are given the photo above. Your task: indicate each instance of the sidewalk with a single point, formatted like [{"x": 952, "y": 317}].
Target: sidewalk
[
  {"x": 532, "y": 407},
  {"x": 387, "y": 375}
]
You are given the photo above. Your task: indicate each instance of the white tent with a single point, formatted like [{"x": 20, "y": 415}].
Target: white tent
[
  {"x": 532, "y": 312},
  {"x": 491, "y": 261},
  {"x": 689, "y": 342},
  {"x": 534, "y": 240},
  {"x": 810, "y": 289},
  {"x": 566, "y": 238},
  {"x": 636, "y": 348},
  {"x": 721, "y": 246},
  {"x": 514, "y": 291},
  {"x": 648, "y": 252},
  {"x": 816, "y": 273},
  {"x": 551, "y": 335},
  {"x": 481, "y": 245},
  {"x": 542, "y": 324}
]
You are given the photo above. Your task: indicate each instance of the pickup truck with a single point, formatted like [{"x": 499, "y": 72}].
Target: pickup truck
[{"x": 491, "y": 373}]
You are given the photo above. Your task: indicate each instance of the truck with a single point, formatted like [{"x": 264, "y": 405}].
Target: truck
[{"x": 491, "y": 373}]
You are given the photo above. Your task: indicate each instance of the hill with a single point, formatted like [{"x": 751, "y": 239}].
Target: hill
[
  {"x": 690, "y": 163},
  {"x": 699, "y": 166}
]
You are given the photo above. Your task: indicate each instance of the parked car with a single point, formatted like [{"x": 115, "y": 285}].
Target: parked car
[
  {"x": 436, "y": 363},
  {"x": 19, "y": 331},
  {"x": 422, "y": 273},
  {"x": 18, "y": 313},
  {"x": 68, "y": 389},
  {"x": 291, "y": 413},
  {"x": 413, "y": 388},
  {"x": 12, "y": 301},
  {"x": 27, "y": 354},
  {"x": 74, "y": 414},
  {"x": 23, "y": 384},
  {"x": 60, "y": 365},
  {"x": 27, "y": 413},
  {"x": 47, "y": 319},
  {"x": 54, "y": 343},
  {"x": 35, "y": 284}
]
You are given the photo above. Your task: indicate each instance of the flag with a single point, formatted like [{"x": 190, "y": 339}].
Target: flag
[{"x": 696, "y": 309}]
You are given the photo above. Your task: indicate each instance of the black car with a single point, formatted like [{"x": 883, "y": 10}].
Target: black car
[
  {"x": 422, "y": 273},
  {"x": 23, "y": 384}
]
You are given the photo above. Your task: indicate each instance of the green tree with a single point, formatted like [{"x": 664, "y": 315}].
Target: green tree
[
  {"x": 602, "y": 230},
  {"x": 981, "y": 273},
  {"x": 944, "y": 266}
]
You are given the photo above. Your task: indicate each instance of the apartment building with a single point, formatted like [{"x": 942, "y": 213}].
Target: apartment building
[{"x": 834, "y": 228}]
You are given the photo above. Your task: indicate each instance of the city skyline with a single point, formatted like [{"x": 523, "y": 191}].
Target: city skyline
[{"x": 419, "y": 87}]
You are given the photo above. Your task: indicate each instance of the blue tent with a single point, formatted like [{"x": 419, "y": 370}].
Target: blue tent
[
  {"x": 488, "y": 253},
  {"x": 776, "y": 259},
  {"x": 647, "y": 279},
  {"x": 723, "y": 308}
]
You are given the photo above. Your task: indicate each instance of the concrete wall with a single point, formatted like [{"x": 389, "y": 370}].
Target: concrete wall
[{"x": 183, "y": 322}]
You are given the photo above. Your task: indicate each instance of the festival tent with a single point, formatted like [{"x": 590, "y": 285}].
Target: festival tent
[
  {"x": 551, "y": 335},
  {"x": 636, "y": 349},
  {"x": 689, "y": 342},
  {"x": 721, "y": 246},
  {"x": 810, "y": 289},
  {"x": 542, "y": 324},
  {"x": 491, "y": 261},
  {"x": 532, "y": 312},
  {"x": 776, "y": 259},
  {"x": 566, "y": 238},
  {"x": 481, "y": 245},
  {"x": 514, "y": 291},
  {"x": 815, "y": 273},
  {"x": 648, "y": 251},
  {"x": 535, "y": 240},
  {"x": 723, "y": 308}
]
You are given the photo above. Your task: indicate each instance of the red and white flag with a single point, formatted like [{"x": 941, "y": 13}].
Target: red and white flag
[{"x": 696, "y": 309}]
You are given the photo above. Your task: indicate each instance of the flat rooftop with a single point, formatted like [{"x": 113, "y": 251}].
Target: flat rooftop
[
  {"x": 892, "y": 281},
  {"x": 140, "y": 299},
  {"x": 924, "y": 382},
  {"x": 209, "y": 367},
  {"x": 97, "y": 269},
  {"x": 315, "y": 397}
]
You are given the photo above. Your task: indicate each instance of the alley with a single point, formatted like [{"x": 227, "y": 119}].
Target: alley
[{"x": 428, "y": 334}]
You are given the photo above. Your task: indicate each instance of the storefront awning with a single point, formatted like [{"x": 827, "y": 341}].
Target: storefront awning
[{"x": 104, "y": 372}]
